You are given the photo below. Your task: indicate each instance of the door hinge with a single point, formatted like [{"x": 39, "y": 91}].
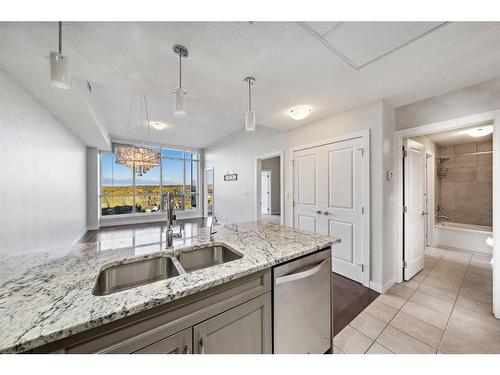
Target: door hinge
[
  {"x": 405, "y": 264},
  {"x": 362, "y": 151},
  {"x": 293, "y": 204},
  {"x": 405, "y": 153},
  {"x": 405, "y": 209},
  {"x": 362, "y": 210},
  {"x": 293, "y": 162},
  {"x": 362, "y": 267}
]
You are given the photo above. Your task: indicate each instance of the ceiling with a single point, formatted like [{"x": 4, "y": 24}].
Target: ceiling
[
  {"x": 332, "y": 66},
  {"x": 458, "y": 137}
]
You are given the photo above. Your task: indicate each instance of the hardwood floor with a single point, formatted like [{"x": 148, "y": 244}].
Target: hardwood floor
[
  {"x": 349, "y": 300},
  {"x": 349, "y": 297}
]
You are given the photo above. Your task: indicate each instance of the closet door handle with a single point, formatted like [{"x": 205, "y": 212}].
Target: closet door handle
[
  {"x": 326, "y": 213},
  {"x": 319, "y": 212}
]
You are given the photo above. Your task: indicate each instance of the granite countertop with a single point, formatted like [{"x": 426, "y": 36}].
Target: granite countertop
[{"x": 46, "y": 295}]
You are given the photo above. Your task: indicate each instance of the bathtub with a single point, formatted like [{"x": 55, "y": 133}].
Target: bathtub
[{"x": 468, "y": 237}]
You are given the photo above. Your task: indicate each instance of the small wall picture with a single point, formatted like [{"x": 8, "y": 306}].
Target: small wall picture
[{"x": 231, "y": 177}]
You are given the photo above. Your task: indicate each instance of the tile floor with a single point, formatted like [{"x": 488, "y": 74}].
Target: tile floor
[{"x": 445, "y": 308}]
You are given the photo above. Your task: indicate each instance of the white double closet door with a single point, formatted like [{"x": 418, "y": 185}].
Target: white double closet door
[{"x": 328, "y": 199}]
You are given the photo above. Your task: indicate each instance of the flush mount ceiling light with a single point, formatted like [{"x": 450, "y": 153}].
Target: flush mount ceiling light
[
  {"x": 480, "y": 131},
  {"x": 299, "y": 112},
  {"x": 250, "y": 114},
  {"x": 59, "y": 66},
  {"x": 158, "y": 125},
  {"x": 180, "y": 102}
]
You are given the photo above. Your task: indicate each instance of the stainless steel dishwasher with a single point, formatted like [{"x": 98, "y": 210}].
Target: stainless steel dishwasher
[{"x": 302, "y": 315}]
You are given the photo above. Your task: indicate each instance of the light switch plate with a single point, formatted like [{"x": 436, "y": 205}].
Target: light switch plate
[{"x": 390, "y": 175}]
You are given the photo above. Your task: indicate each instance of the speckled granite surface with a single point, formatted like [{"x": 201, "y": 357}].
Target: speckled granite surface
[{"x": 47, "y": 295}]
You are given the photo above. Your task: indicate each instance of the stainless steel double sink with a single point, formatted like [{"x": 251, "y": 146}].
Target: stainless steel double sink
[{"x": 145, "y": 271}]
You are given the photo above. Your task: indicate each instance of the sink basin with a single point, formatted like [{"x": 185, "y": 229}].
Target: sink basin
[
  {"x": 130, "y": 275},
  {"x": 205, "y": 257}
]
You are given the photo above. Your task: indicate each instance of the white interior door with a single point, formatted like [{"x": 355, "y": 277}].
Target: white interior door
[
  {"x": 265, "y": 180},
  {"x": 414, "y": 208},
  {"x": 328, "y": 195}
]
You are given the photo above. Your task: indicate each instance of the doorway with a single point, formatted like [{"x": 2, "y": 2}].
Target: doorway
[
  {"x": 209, "y": 192},
  {"x": 269, "y": 188}
]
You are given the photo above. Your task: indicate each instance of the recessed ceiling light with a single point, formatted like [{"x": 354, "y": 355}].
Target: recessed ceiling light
[
  {"x": 299, "y": 112},
  {"x": 481, "y": 131},
  {"x": 158, "y": 125}
]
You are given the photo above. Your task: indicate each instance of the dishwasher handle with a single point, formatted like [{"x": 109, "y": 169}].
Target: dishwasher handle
[{"x": 300, "y": 275}]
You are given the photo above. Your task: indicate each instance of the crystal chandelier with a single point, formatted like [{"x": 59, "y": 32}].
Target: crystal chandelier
[{"x": 139, "y": 158}]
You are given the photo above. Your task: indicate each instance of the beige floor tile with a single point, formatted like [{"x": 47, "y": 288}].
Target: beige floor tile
[
  {"x": 368, "y": 325},
  {"x": 460, "y": 337},
  {"x": 475, "y": 281},
  {"x": 337, "y": 350},
  {"x": 376, "y": 348},
  {"x": 425, "y": 314},
  {"x": 381, "y": 311},
  {"x": 457, "y": 261},
  {"x": 412, "y": 284},
  {"x": 451, "y": 268},
  {"x": 392, "y": 300},
  {"x": 480, "y": 271},
  {"x": 442, "y": 280},
  {"x": 433, "y": 291},
  {"x": 401, "y": 343},
  {"x": 480, "y": 320},
  {"x": 437, "y": 292},
  {"x": 423, "y": 331},
  {"x": 457, "y": 255},
  {"x": 351, "y": 341},
  {"x": 421, "y": 275},
  {"x": 401, "y": 290},
  {"x": 474, "y": 305},
  {"x": 434, "y": 251},
  {"x": 454, "y": 278},
  {"x": 477, "y": 294},
  {"x": 431, "y": 302}
]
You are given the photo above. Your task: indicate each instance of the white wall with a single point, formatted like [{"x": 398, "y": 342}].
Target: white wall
[
  {"x": 93, "y": 200},
  {"x": 483, "y": 97},
  {"x": 235, "y": 201},
  {"x": 273, "y": 165},
  {"x": 42, "y": 179}
]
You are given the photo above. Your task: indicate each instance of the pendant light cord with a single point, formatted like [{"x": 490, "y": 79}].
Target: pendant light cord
[
  {"x": 60, "y": 37},
  {"x": 249, "y": 96},
  {"x": 180, "y": 71}
]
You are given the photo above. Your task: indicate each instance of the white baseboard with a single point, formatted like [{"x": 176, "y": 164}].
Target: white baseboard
[{"x": 382, "y": 288}]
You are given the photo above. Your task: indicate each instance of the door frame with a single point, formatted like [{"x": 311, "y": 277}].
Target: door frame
[
  {"x": 258, "y": 169},
  {"x": 366, "y": 191},
  {"x": 269, "y": 197},
  {"x": 430, "y": 190},
  {"x": 492, "y": 117}
]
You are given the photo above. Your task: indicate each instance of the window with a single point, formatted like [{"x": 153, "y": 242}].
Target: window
[{"x": 125, "y": 192}]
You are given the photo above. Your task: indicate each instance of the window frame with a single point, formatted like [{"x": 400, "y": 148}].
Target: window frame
[{"x": 184, "y": 193}]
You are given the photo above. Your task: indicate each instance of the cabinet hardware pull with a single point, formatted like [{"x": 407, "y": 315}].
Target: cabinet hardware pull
[
  {"x": 202, "y": 346},
  {"x": 300, "y": 275},
  {"x": 185, "y": 350}
]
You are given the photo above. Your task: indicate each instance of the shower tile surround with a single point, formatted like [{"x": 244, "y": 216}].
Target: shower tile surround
[{"x": 465, "y": 193}]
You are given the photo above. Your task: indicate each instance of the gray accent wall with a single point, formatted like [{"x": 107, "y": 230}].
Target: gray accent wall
[{"x": 42, "y": 179}]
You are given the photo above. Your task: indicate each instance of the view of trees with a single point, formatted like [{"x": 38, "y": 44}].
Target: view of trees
[{"x": 120, "y": 196}]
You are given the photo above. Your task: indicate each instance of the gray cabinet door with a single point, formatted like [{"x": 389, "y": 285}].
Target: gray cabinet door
[
  {"x": 180, "y": 343},
  {"x": 245, "y": 329}
]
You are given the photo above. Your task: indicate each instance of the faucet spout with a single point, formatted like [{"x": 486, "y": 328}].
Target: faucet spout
[{"x": 212, "y": 232}]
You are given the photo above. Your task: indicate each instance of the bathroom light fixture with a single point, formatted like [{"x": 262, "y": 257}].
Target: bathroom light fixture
[
  {"x": 158, "y": 125},
  {"x": 299, "y": 112},
  {"x": 59, "y": 66},
  {"x": 180, "y": 102},
  {"x": 480, "y": 131},
  {"x": 250, "y": 115}
]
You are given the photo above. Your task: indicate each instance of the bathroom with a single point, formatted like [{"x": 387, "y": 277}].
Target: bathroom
[{"x": 458, "y": 189}]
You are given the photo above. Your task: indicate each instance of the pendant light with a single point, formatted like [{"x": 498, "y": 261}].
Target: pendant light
[
  {"x": 180, "y": 102},
  {"x": 59, "y": 66},
  {"x": 250, "y": 115}
]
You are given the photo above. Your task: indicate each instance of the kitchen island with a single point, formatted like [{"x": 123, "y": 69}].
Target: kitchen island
[{"x": 48, "y": 296}]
